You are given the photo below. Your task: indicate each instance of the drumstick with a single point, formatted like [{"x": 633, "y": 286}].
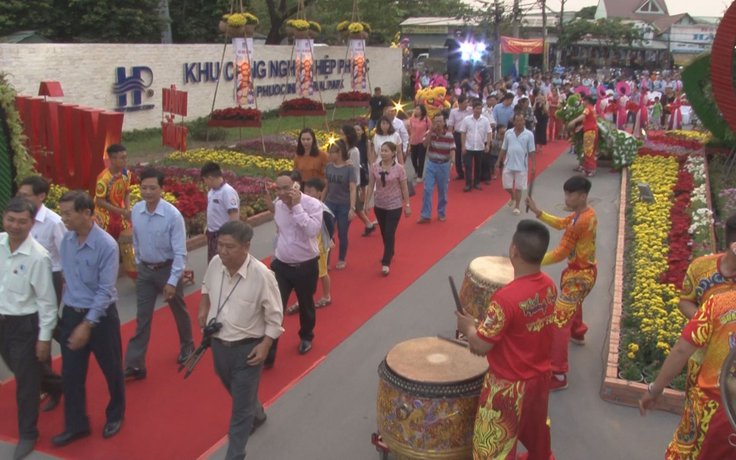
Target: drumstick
[
  {"x": 458, "y": 304},
  {"x": 455, "y": 341}
]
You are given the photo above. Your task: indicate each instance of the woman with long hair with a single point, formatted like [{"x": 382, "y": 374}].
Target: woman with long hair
[
  {"x": 340, "y": 194},
  {"x": 309, "y": 160},
  {"x": 388, "y": 178},
  {"x": 384, "y": 132},
  {"x": 555, "y": 124},
  {"x": 419, "y": 126},
  {"x": 350, "y": 136}
]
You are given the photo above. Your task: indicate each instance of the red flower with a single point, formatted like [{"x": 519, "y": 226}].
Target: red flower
[
  {"x": 353, "y": 96},
  {"x": 236, "y": 113},
  {"x": 302, "y": 103}
]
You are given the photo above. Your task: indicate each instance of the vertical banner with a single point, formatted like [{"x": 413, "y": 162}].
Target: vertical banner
[
  {"x": 357, "y": 58},
  {"x": 243, "y": 90},
  {"x": 304, "y": 66}
]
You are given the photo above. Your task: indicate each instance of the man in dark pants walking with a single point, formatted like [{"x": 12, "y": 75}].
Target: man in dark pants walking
[
  {"x": 298, "y": 218},
  {"x": 240, "y": 294},
  {"x": 89, "y": 320},
  {"x": 457, "y": 115},
  {"x": 159, "y": 239},
  {"x": 27, "y": 314}
]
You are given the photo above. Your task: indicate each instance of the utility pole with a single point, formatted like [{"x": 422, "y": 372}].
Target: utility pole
[
  {"x": 560, "y": 30},
  {"x": 163, "y": 14},
  {"x": 515, "y": 31},
  {"x": 545, "y": 47},
  {"x": 497, "y": 17}
]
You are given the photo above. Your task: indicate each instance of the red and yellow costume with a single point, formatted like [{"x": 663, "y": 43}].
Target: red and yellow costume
[
  {"x": 704, "y": 429},
  {"x": 513, "y": 401},
  {"x": 113, "y": 188},
  {"x": 590, "y": 139},
  {"x": 577, "y": 280},
  {"x": 702, "y": 280}
]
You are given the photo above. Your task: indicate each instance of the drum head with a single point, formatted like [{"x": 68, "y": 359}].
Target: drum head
[
  {"x": 497, "y": 270},
  {"x": 433, "y": 360}
]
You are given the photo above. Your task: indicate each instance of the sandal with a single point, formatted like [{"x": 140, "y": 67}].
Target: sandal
[
  {"x": 293, "y": 309},
  {"x": 369, "y": 230},
  {"x": 340, "y": 265},
  {"x": 321, "y": 303}
]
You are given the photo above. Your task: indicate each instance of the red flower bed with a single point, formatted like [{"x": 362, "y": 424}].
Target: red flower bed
[
  {"x": 236, "y": 113},
  {"x": 302, "y": 104},
  {"x": 668, "y": 139},
  {"x": 353, "y": 96},
  {"x": 679, "y": 239}
]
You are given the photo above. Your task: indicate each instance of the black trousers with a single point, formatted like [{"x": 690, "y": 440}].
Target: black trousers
[
  {"x": 458, "y": 153},
  {"x": 301, "y": 278},
  {"x": 472, "y": 159},
  {"x": 487, "y": 166},
  {"x": 388, "y": 222},
  {"x": 18, "y": 337},
  {"x": 418, "y": 153},
  {"x": 211, "y": 244},
  {"x": 105, "y": 344}
]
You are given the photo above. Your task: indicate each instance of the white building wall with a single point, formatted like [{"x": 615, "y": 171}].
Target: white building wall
[{"x": 88, "y": 74}]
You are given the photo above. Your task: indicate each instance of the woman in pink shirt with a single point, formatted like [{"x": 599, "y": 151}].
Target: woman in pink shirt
[
  {"x": 387, "y": 179},
  {"x": 419, "y": 125}
]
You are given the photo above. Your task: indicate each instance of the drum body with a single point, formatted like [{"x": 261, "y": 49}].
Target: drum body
[
  {"x": 127, "y": 253},
  {"x": 428, "y": 398},
  {"x": 484, "y": 276}
]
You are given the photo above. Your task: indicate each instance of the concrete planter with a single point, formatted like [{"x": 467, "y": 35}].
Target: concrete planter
[{"x": 615, "y": 389}]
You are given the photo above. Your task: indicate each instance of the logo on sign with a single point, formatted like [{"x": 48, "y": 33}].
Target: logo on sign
[{"x": 130, "y": 89}]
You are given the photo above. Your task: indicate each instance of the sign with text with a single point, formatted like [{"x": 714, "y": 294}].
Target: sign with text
[
  {"x": 243, "y": 90},
  {"x": 511, "y": 45}
]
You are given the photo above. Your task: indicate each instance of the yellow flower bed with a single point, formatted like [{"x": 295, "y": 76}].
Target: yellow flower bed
[
  {"x": 702, "y": 137},
  {"x": 652, "y": 320},
  {"x": 232, "y": 159}
]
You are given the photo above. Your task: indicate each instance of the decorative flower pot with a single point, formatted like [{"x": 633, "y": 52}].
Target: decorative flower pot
[
  {"x": 312, "y": 34},
  {"x": 250, "y": 30},
  {"x": 358, "y": 35},
  {"x": 233, "y": 32},
  {"x": 301, "y": 33}
]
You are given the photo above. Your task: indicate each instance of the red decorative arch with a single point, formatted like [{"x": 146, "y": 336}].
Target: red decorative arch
[{"x": 721, "y": 69}]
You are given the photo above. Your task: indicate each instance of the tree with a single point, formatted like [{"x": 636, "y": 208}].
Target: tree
[
  {"x": 195, "y": 21},
  {"x": 610, "y": 33},
  {"x": 586, "y": 13},
  {"x": 110, "y": 21}
]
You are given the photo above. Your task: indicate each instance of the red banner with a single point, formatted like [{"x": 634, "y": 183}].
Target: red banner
[{"x": 511, "y": 45}]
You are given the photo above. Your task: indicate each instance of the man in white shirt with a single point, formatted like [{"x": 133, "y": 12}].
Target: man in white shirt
[
  {"x": 475, "y": 132},
  {"x": 223, "y": 204},
  {"x": 48, "y": 230},
  {"x": 28, "y": 310},
  {"x": 457, "y": 115},
  {"x": 518, "y": 146},
  {"x": 241, "y": 295},
  {"x": 487, "y": 112},
  {"x": 399, "y": 127}
]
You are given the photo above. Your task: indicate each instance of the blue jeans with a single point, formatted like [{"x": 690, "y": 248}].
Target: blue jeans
[
  {"x": 435, "y": 174},
  {"x": 341, "y": 212}
]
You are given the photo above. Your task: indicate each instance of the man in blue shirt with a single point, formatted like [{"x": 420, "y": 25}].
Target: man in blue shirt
[
  {"x": 89, "y": 320},
  {"x": 505, "y": 111},
  {"x": 159, "y": 240}
]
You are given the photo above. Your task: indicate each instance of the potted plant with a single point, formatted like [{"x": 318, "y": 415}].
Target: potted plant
[
  {"x": 297, "y": 28},
  {"x": 300, "y": 107},
  {"x": 352, "y": 99},
  {"x": 235, "y": 117},
  {"x": 238, "y": 24}
]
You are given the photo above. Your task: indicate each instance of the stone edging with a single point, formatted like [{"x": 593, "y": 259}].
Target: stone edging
[
  {"x": 614, "y": 389},
  {"x": 200, "y": 241}
]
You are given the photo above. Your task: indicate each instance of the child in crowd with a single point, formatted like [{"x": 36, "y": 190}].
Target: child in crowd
[
  {"x": 655, "y": 117},
  {"x": 314, "y": 188}
]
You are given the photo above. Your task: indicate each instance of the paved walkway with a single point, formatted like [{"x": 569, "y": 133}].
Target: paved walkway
[{"x": 331, "y": 413}]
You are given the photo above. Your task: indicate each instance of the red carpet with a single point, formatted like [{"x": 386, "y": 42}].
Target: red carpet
[{"x": 171, "y": 418}]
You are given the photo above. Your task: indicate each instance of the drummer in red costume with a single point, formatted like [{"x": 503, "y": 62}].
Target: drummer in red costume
[
  {"x": 590, "y": 136},
  {"x": 577, "y": 280},
  {"x": 706, "y": 276},
  {"x": 515, "y": 336},
  {"x": 713, "y": 330}
]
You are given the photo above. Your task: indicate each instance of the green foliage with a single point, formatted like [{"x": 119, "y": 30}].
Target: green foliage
[
  {"x": 70, "y": 21},
  {"x": 195, "y": 21},
  {"x": 586, "y": 13},
  {"x": 608, "y": 32},
  {"x": 22, "y": 161},
  {"x": 198, "y": 131}
]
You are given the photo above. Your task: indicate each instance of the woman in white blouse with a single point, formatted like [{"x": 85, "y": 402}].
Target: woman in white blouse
[{"x": 385, "y": 132}]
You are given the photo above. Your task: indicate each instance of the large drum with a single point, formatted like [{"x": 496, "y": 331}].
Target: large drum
[
  {"x": 428, "y": 397},
  {"x": 484, "y": 276}
]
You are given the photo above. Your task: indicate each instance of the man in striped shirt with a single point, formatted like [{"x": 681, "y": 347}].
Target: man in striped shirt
[{"x": 440, "y": 145}]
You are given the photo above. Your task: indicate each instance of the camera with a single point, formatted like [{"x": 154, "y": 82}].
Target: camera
[{"x": 212, "y": 328}]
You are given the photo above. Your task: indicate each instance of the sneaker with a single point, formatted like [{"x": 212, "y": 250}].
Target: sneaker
[
  {"x": 423, "y": 220},
  {"x": 385, "y": 270},
  {"x": 442, "y": 218},
  {"x": 579, "y": 169},
  {"x": 556, "y": 384},
  {"x": 516, "y": 211},
  {"x": 590, "y": 173},
  {"x": 419, "y": 179}
]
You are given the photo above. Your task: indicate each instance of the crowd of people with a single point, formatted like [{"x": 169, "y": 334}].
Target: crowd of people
[{"x": 74, "y": 258}]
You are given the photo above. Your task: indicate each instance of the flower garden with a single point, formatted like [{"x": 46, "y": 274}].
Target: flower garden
[{"x": 660, "y": 238}]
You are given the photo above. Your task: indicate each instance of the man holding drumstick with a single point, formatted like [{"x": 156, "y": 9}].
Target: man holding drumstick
[{"x": 515, "y": 336}]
